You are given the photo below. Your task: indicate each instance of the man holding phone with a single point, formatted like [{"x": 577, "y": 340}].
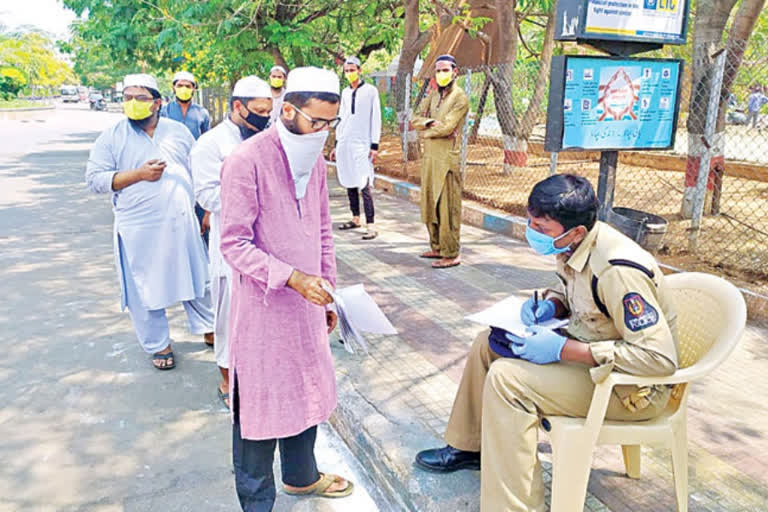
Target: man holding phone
[{"x": 143, "y": 162}]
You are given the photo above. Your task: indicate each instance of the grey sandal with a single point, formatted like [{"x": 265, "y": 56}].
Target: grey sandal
[{"x": 164, "y": 357}]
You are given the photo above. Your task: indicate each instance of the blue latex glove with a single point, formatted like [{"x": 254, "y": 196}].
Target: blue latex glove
[
  {"x": 545, "y": 311},
  {"x": 543, "y": 346}
]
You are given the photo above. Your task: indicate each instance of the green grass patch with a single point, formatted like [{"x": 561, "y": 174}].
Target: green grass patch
[{"x": 22, "y": 104}]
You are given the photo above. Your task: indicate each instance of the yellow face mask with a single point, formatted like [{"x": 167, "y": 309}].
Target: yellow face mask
[
  {"x": 137, "y": 110},
  {"x": 443, "y": 78},
  {"x": 184, "y": 93},
  {"x": 275, "y": 82},
  {"x": 352, "y": 76}
]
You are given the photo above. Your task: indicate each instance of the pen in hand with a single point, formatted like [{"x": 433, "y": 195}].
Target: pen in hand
[{"x": 535, "y": 306}]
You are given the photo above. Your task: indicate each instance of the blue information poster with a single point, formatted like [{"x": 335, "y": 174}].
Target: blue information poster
[{"x": 619, "y": 104}]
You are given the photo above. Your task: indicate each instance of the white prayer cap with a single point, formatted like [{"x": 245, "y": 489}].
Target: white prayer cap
[
  {"x": 252, "y": 87},
  {"x": 184, "y": 75},
  {"x": 140, "y": 80},
  {"x": 352, "y": 60},
  {"x": 278, "y": 68},
  {"x": 311, "y": 79}
]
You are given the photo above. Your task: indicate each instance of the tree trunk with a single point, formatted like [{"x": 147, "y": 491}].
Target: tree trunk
[
  {"x": 278, "y": 56},
  {"x": 711, "y": 18},
  {"x": 532, "y": 114},
  {"x": 501, "y": 78},
  {"x": 414, "y": 41}
]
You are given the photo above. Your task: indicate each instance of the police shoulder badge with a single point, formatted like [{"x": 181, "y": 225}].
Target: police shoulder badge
[{"x": 638, "y": 314}]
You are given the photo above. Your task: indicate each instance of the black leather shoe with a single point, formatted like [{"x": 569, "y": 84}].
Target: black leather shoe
[{"x": 447, "y": 459}]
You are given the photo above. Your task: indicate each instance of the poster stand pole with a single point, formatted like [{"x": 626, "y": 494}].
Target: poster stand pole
[{"x": 606, "y": 183}]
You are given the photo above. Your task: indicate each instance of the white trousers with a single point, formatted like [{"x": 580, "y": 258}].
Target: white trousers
[
  {"x": 220, "y": 293},
  {"x": 151, "y": 326}
]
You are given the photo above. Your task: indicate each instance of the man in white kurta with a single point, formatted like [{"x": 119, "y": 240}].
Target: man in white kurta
[
  {"x": 277, "y": 82},
  {"x": 357, "y": 144},
  {"x": 143, "y": 162},
  {"x": 250, "y": 108}
]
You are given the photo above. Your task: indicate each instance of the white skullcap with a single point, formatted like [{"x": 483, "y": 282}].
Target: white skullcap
[
  {"x": 140, "y": 80},
  {"x": 352, "y": 60},
  {"x": 252, "y": 87},
  {"x": 184, "y": 75},
  {"x": 311, "y": 79},
  {"x": 278, "y": 68}
]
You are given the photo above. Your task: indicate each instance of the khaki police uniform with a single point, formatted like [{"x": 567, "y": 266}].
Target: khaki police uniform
[{"x": 617, "y": 302}]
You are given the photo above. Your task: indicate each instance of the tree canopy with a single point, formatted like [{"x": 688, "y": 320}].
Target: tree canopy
[
  {"x": 29, "y": 59},
  {"x": 220, "y": 40}
]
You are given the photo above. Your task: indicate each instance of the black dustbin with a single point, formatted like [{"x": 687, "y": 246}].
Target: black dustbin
[{"x": 644, "y": 228}]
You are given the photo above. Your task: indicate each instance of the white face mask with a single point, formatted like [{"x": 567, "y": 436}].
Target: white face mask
[{"x": 302, "y": 152}]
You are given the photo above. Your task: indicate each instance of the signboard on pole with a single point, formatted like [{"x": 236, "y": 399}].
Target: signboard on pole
[
  {"x": 643, "y": 21},
  {"x": 609, "y": 103}
]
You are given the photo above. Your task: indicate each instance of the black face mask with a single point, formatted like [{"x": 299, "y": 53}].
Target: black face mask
[
  {"x": 255, "y": 120},
  {"x": 246, "y": 132}
]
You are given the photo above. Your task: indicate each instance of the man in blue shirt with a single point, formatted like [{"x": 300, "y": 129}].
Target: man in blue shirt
[
  {"x": 755, "y": 102},
  {"x": 183, "y": 109},
  {"x": 196, "y": 119}
]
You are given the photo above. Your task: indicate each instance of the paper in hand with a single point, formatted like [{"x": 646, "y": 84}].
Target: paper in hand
[{"x": 358, "y": 313}]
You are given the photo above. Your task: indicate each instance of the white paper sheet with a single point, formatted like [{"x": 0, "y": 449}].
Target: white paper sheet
[
  {"x": 363, "y": 313},
  {"x": 506, "y": 315}
]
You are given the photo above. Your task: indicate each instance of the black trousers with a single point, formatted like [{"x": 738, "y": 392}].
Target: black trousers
[
  {"x": 354, "y": 202},
  {"x": 253, "y": 460}
]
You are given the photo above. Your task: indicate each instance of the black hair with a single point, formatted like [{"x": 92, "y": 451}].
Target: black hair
[
  {"x": 241, "y": 99},
  {"x": 299, "y": 99},
  {"x": 565, "y": 198},
  {"x": 154, "y": 92}
]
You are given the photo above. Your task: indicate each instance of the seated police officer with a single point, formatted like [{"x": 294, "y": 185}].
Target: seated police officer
[{"x": 620, "y": 319}]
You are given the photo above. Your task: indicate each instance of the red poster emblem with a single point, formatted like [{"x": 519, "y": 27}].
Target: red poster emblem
[{"x": 618, "y": 96}]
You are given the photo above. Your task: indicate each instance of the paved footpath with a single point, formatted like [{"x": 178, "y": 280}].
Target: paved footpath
[{"x": 410, "y": 380}]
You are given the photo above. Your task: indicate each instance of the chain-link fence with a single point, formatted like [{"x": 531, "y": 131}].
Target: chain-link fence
[{"x": 505, "y": 157}]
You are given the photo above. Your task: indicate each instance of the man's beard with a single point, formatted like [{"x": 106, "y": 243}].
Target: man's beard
[
  {"x": 292, "y": 125},
  {"x": 440, "y": 89},
  {"x": 140, "y": 124},
  {"x": 183, "y": 101}
]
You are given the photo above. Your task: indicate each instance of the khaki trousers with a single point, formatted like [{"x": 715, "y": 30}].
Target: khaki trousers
[
  {"x": 444, "y": 234},
  {"x": 497, "y": 410}
]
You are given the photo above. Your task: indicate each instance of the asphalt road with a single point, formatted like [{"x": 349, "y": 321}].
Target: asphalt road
[{"x": 86, "y": 423}]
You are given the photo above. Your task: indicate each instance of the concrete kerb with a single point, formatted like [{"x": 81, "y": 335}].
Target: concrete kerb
[
  {"x": 514, "y": 226},
  {"x": 385, "y": 446}
]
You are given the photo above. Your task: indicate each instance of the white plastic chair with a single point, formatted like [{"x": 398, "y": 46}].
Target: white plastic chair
[{"x": 711, "y": 320}]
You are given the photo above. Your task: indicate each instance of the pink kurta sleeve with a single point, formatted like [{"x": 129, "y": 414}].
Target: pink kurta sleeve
[
  {"x": 327, "y": 252},
  {"x": 239, "y": 212}
]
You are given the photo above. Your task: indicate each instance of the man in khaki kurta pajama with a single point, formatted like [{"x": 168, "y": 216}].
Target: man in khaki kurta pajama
[
  {"x": 440, "y": 120},
  {"x": 627, "y": 324}
]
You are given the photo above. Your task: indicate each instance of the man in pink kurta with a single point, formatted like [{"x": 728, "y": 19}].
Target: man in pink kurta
[{"x": 276, "y": 235}]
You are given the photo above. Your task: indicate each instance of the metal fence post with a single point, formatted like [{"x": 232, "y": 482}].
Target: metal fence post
[
  {"x": 709, "y": 133},
  {"x": 553, "y": 163},
  {"x": 465, "y": 131},
  {"x": 406, "y": 121}
]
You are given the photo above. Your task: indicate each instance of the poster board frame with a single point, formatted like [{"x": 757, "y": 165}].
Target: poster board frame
[{"x": 555, "y": 124}]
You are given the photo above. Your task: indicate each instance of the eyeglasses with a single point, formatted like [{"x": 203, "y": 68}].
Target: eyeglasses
[
  {"x": 317, "y": 123},
  {"x": 139, "y": 97}
]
